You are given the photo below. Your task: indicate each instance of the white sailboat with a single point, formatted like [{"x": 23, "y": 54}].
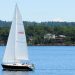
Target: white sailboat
[{"x": 16, "y": 50}]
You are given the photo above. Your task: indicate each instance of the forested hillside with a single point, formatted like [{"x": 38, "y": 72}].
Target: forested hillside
[{"x": 42, "y": 33}]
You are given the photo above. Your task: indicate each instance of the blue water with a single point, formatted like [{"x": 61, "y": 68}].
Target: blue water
[{"x": 48, "y": 60}]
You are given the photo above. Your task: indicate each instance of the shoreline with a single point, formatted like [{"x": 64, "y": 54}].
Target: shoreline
[{"x": 49, "y": 45}]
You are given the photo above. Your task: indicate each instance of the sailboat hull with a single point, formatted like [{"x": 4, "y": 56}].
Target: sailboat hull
[{"x": 17, "y": 67}]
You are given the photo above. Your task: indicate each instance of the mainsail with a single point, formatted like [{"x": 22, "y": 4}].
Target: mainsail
[{"x": 16, "y": 48}]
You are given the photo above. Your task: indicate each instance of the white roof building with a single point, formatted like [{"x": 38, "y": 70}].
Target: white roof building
[{"x": 49, "y": 36}]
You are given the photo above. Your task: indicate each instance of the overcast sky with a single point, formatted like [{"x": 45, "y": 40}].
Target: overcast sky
[{"x": 39, "y": 10}]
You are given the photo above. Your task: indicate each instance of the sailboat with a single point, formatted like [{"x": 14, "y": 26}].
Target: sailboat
[{"x": 16, "y": 53}]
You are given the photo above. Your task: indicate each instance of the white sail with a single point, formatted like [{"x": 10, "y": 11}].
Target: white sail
[
  {"x": 20, "y": 43},
  {"x": 16, "y": 48}
]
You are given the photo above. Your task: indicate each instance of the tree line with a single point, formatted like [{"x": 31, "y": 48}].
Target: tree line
[{"x": 35, "y": 32}]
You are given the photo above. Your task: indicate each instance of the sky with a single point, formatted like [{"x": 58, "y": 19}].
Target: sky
[{"x": 39, "y": 10}]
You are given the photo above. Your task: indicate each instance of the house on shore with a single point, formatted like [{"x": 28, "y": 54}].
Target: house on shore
[{"x": 49, "y": 36}]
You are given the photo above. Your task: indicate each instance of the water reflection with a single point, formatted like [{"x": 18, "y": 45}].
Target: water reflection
[{"x": 16, "y": 73}]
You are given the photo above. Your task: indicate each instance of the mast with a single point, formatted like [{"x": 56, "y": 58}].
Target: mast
[{"x": 16, "y": 30}]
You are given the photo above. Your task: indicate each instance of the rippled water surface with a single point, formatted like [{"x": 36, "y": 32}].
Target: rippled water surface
[{"x": 48, "y": 60}]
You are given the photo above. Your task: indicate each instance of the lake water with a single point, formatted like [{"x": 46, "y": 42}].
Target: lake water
[{"x": 48, "y": 60}]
